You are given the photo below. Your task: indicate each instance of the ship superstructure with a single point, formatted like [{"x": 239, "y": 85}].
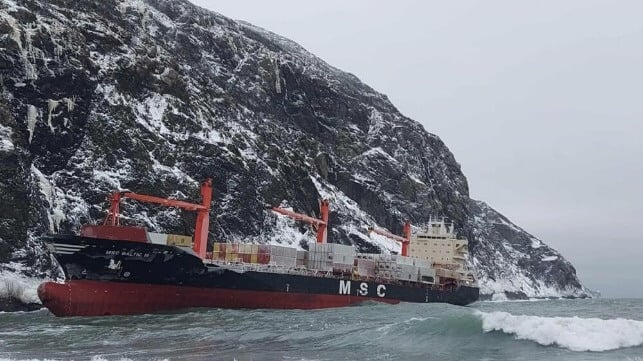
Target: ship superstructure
[{"x": 438, "y": 244}]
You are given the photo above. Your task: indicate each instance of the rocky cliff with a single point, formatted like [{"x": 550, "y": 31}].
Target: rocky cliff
[{"x": 156, "y": 95}]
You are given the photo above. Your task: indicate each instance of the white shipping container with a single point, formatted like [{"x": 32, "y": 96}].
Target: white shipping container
[
  {"x": 276, "y": 251},
  {"x": 341, "y": 267},
  {"x": 408, "y": 272},
  {"x": 426, "y": 271},
  {"x": 245, "y": 248},
  {"x": 407, "y": 268},
  {"x": 157, "y": 238},
  {"x": 317, "y": 265},
  {"x": 422, "y": 262},
  {"x": 285, "y": 261},
  {"x": 366, "y": 263},
  {"x": 348, "y": 250},
  {"x": 383, "y": 257},
  {"x": 407, "y": 277},
  {"x": 338, "y": 248},
  {"x": 405, "y": 260},
  {"x": 366, "y": 272},
  {"x": 290, "y": 252}
]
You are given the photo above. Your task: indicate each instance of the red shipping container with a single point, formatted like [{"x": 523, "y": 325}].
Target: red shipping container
[
  {"x": 208, "y": 255},
  {"x": 263, "y": 258},
  {"x": 122, "y": 233}
]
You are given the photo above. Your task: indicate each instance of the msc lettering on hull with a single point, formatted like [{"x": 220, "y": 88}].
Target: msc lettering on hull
[{"x": 345, "y": 289}]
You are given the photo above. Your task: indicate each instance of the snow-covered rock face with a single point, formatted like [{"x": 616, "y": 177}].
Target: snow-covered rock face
[
  {"x": 512, "y": 263},
  {"x": 155, "y": 96}
]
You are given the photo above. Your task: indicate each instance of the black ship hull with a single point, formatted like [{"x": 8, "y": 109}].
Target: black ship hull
[{"x": 120, "y": 277}]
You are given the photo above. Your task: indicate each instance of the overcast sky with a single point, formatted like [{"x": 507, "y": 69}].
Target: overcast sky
[{"x": 540, "y": 102}]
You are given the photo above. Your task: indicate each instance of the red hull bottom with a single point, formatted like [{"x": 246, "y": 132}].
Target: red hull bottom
[{"x": 94, "y": 298}]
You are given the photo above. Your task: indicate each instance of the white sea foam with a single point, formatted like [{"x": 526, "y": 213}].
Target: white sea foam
[
  {"x": 13, "y": 284},
  {"x": 94, "y": 358},
  {"x": 506, "y": 300},
  {"x": 32, "y": 359},
  {"x": 574, "y": 333},
  {"x": 103, "y": 358}
]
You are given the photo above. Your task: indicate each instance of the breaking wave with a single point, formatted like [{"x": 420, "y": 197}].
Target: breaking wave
[{"x": 574, "y": 333}]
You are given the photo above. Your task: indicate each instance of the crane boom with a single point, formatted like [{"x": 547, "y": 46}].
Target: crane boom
[
  {"x": 203, "y": 212},
  {"x": 320, "y": 223},
  {"x": 406, "y": 240},
  {"x": 163, "y": 201}
]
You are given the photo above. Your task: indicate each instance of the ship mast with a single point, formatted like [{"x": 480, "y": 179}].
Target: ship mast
[
  {"x": 202, "y": 219},
  {"x": 320, "y": 223},
  {"x": 406, "y": 240}
]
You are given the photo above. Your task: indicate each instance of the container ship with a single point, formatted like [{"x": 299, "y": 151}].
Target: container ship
[{"x": 114, "y": 269}]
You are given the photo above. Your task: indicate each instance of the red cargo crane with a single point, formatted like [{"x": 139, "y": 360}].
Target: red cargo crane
[
  {"x": 406, "y": 240},
  {"x": 320, "y": 223},
  {"x": 202, "y": 218}
]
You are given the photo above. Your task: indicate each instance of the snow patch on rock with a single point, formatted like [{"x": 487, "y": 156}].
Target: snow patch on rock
[
  {"x": 32, "y": 119},
  {"x": 359, "y": 219},
  {"x": 6, "y": 144}
]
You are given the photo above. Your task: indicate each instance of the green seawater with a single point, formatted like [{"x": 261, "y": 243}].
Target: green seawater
[{"x": 597, "y": 329}]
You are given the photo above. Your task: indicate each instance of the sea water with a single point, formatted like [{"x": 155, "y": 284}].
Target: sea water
[{"x": 595, "y": 329}]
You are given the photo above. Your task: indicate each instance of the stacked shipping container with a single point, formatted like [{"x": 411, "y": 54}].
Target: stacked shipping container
[
  {"x": 283, "y": 256},
  {"x": 255, "y": 253},
  {"x": 330, "y": 257},
  {"x": 386, "y": 266},
  {"x": 427, "y": 274},
  {"x": 302, "y": 257},
  {"x": 170, "y": 239},
  {"x": 392, "y": 266},
  {"x": 365, "y": 267}
]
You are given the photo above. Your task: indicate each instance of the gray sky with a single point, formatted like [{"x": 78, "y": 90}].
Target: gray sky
[{"x": 539, "y": 101}]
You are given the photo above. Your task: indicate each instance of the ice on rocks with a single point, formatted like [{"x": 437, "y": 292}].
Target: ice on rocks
[
  {"x": 6, "y": 144},
  {"x": 32, "y": 119}
]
